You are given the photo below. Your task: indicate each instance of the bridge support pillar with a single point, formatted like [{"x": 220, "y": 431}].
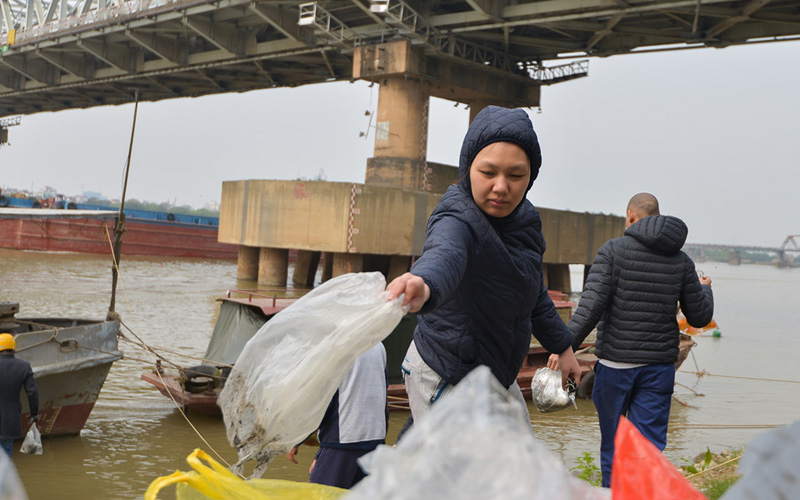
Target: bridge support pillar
[
  {"x": 305, "y": 268},
  {"x": 558, "y": 277},
  {"x": 344, "y": 263},
  {"x": 247, "y": 263},
  {"x": 734, "y": 258},
  {"x": 273, "y": 266}
]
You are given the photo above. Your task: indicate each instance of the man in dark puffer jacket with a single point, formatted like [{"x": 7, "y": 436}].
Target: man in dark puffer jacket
[{"x": 633, "y": 290}]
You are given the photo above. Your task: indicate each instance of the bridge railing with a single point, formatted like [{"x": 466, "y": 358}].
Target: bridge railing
[{"x": 125, "y": 11}]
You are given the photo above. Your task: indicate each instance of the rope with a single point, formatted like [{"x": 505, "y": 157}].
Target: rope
[
  {"x": 715, "y": 467},
  {"x": 183, "y": 413},
  {"x": 703, "y": 373}
]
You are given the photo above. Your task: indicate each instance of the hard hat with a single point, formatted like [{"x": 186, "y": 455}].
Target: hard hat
[{"x": 7, "y": 342}]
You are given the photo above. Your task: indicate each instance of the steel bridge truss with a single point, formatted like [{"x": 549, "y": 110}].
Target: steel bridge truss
[{"x": 61, "y": 54}]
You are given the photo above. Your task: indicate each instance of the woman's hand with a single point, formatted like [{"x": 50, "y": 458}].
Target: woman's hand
[{"x": 415, "y": 290}]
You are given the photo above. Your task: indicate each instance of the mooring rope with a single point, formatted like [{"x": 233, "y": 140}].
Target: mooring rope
[{"x": 715, "y": 467}]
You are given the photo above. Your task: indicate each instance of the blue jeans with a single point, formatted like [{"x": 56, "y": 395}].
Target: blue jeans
[
  {"x": 8, "y": 445},
  {"x": 642, "y": 394}
]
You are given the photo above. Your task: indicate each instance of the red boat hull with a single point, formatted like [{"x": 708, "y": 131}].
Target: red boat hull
[{"x": 87, "y": 235}]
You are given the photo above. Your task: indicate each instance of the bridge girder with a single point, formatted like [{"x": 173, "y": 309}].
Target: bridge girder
[{"x": 51, "y": 49}]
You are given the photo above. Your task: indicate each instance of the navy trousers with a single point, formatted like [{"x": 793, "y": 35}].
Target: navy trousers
[
  {"x": 338, "y": 467},
  {"x": 642, "y": 394}
]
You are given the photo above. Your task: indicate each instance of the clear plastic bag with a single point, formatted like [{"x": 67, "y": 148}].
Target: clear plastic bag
[
  {"x": 32, "y": 444},
  {"x": 280, "y": 387},
  {"x": 547, "y": 393},
  {"x": 475, "y": 443},
  {"x": 769, "y": 466},
  {"x": 10, "y": 485}
]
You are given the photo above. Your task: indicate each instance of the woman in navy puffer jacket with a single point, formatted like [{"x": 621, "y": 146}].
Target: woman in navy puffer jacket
[{"x": 478, "y": 284}]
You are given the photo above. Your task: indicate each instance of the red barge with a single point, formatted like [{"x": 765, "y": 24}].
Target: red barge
[{"x": 161, "y": 234}]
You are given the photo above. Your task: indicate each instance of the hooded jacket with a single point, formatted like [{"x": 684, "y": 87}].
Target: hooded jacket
[
  {"x": 633, "y": 290},
  {"x": 485, "y": 273}
]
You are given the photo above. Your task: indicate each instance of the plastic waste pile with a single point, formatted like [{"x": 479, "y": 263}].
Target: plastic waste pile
[
  {"x": 547, "y": 393},
  {"x": 475, "y": 443},
  {"x": 280, "y": 387}
]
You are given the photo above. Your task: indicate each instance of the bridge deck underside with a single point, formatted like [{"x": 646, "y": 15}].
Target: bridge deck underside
[{"x": 90, "y": 56}]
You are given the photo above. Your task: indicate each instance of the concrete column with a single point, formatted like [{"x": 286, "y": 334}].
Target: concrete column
[
  {"x": 558, "y": 277},
  {"x": 327, "y": 267},
  {"x": 344, "y": 263},
  {"x": 247, "y": 263},
  {"x": 375, "y": 262},
  {"x": 273, "y": 266},
  {"x": 305, "y": 268},
  {"x": 734, "y": 258},
  {"x": 399, "y": 121}
]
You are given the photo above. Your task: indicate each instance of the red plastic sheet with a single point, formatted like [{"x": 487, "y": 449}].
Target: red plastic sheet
[{"x": 640, "y": 471}]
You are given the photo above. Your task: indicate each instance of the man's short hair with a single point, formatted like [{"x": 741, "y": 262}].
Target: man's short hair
[{"x": 644, "y": 205}]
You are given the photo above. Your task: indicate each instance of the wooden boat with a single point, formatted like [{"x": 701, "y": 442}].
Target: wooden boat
[{"x": 147, "y": 232}]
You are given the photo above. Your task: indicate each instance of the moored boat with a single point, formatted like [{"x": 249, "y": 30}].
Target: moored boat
[
  {"x": 242, "y": 313},
  {"x": 70, "y": 358}
]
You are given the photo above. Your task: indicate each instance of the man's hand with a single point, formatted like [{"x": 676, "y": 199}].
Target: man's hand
[
  {"x": 568, "y": 364},
  {"x": 291, "y": 454},
  {"x": 415, "y": 290},
  {"x": 705, "y": 280}
]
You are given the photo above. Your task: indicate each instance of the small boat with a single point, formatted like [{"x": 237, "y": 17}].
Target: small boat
[
  {"x": 70, "y": 358},
  {"x": 163, "y": 234},
  {"x": 242, "y": 313}
]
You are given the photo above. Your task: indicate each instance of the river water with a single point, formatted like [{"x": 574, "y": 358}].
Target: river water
[{"x": 135, "y": 435}]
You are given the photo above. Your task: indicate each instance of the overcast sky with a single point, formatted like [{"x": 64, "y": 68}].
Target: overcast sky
[{"x": 714, "y": 134}]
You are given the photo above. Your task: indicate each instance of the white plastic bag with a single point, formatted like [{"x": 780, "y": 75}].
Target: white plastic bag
[
  {"x": 280, "y": 387},
  {"x": 32, "y": 444},
  {"x": 546, "y": 391},
  {"x": 476, "y": 443},
  {"x": 769, "y": 466}
]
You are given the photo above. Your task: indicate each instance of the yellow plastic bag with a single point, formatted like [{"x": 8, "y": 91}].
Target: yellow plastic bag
[{"x": 215, "y": 482}]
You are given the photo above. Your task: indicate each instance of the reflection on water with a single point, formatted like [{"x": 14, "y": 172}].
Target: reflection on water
[{"x": 135, "y": 435}]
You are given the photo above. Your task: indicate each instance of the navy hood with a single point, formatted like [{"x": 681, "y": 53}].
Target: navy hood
[
  {"x": 496, "y": 124},
  {"x": 662, "y": 233}
]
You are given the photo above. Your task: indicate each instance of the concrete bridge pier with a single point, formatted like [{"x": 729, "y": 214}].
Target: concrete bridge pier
[
  {"x": 273, "y": 266},
  {"x": 734, "y": 258},
  {"x": 305, "y": 268},
  {"x": 380, "y": 225},
  {"x": 557, "y": 277},
  {"x": 247, "y": 263}
]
